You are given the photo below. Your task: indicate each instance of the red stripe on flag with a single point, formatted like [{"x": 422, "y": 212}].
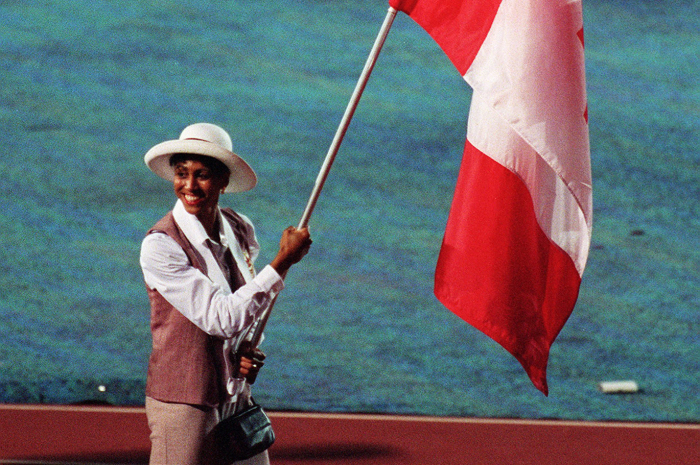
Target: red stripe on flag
[
  {"x": 458, "y": 26},
  {"x": 497, "y": 269}
]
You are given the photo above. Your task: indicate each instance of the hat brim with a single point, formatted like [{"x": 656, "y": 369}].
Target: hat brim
[{"x": 242, "y": 176}]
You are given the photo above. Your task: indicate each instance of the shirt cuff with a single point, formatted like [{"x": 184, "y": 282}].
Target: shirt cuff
[{"x": 268, "y": 278}]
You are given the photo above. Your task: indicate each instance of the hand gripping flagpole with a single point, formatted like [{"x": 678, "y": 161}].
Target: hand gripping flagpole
[{"x": 333, "y": 149}]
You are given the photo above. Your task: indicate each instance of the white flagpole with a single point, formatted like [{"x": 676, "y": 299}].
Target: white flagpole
[
  {"x": 335, "y": 145},
  {"x": 345, "y": 121}
]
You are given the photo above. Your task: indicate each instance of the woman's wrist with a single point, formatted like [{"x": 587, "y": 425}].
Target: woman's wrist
[{"x": 281, "y": 264}]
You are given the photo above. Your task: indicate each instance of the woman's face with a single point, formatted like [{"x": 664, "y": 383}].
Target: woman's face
[{"x": 198, "y": 187}]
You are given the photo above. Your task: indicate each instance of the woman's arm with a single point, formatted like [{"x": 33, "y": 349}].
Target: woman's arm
[{"x": 212, "y": 308}]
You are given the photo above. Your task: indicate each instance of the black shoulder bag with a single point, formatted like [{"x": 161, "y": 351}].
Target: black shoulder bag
[{"x": 245, "y": 434}]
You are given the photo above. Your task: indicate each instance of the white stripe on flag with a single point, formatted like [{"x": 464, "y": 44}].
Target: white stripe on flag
[{"x": 529, "y": 113}]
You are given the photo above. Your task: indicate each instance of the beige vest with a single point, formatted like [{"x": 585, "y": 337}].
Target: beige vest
[{"x": 186, "y": 364}]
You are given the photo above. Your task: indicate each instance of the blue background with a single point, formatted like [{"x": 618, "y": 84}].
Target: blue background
[{"x": 89, "y": 86}]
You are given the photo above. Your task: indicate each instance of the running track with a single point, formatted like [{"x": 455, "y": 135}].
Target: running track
[{"x": 33, "y": 435}]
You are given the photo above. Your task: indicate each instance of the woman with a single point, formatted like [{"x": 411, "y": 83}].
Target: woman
[{"x": 205, "y": 296}]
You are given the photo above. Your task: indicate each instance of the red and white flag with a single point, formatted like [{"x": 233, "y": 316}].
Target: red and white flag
[{"x": 519, "y": 229}]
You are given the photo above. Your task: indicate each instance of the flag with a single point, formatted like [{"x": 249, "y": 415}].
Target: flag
[{"x": 519, "y": 228}]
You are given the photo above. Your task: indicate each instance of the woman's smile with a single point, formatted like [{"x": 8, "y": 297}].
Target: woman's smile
[{"x": 191, "y": 199}]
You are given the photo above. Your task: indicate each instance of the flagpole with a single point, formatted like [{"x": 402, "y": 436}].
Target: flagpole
[
  {"x": 333, "y": 149},
  {"x": 345, "y": 121}
]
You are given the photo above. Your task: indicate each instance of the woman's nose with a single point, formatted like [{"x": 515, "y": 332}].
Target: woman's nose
[{"x": 189, "y": 182}]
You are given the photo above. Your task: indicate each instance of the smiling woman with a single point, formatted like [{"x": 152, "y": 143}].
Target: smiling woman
[{"x": 205, "y": 297}]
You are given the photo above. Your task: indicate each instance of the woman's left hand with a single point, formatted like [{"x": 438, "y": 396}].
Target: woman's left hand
[{"x": 249, "y": 363}]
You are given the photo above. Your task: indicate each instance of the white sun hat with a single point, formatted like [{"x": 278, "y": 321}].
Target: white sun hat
[{"x": 203, "y": 139}]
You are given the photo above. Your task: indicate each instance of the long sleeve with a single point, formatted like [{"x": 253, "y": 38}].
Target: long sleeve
[{"x": 210, "y": 306}]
